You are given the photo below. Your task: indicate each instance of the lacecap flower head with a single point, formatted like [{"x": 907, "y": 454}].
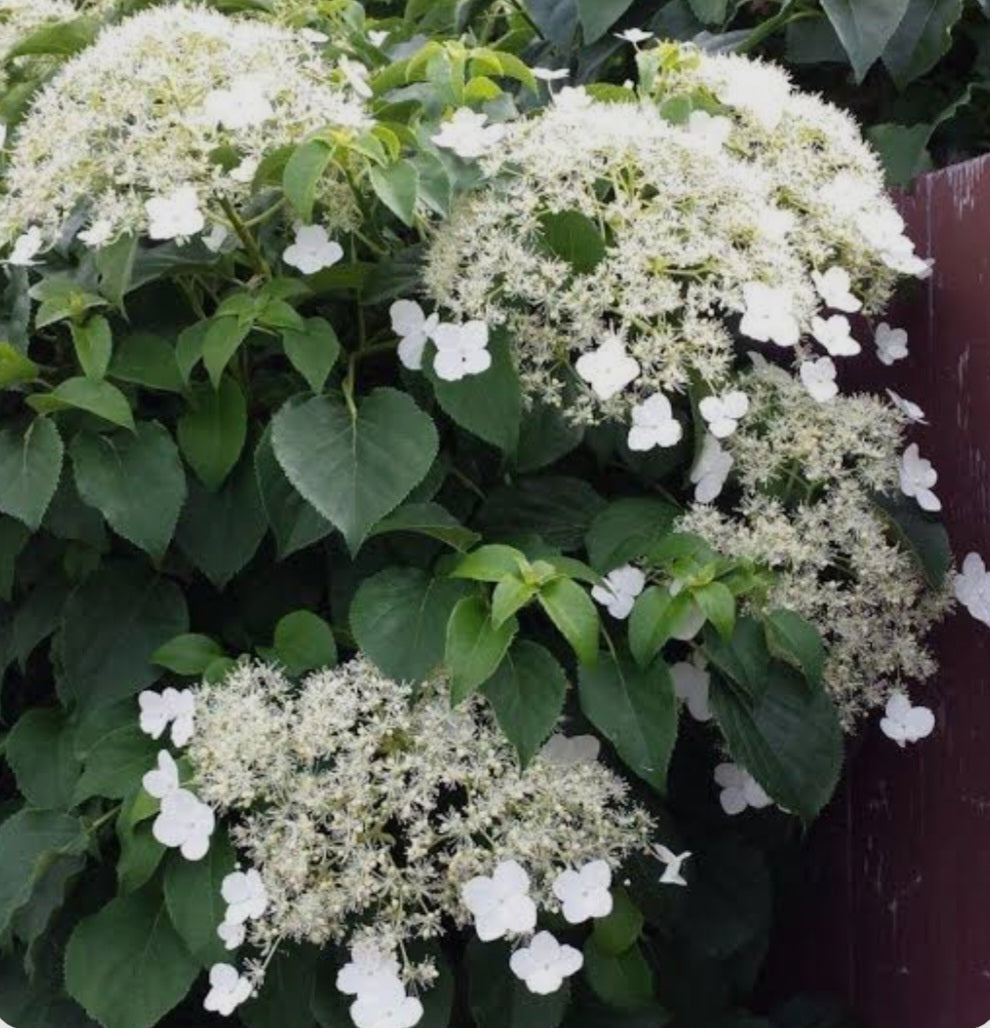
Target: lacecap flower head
[{"x": 137, "y": 119}]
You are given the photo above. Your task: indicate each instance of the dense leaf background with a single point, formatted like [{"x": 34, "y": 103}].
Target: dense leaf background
[{"x": 914, "y": 72}]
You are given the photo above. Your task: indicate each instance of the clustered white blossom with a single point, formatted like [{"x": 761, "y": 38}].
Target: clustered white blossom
[
  {"x": 809, "y": 474},
  {"x": 171, "y": 707},
  {"x": 739, "y": 790},
  {"x": 618, "y": 590},
  {"x": 373, "y": 977},
  {"x": 762, "y": 215},
  {"x": 125, "y": 136},
  {"x": 353, "y": 803},
  {"x": 461, "y": 350},
  {"x": 904, "y": 722},
  {"x": 184, "y": 822},
  {"x": 972, "y": 587},
  {"x": 503, "y": 908},
  {"x": 824, "y": 177}
]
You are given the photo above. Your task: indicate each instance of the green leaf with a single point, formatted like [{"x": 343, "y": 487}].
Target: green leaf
[
  {"x": 97, "y": 724},
  {"x": 598, "y": 16},
  {"x": 789, "y": 740},
  {"x": 397, "y": 186},
  {"x": 635, "y": 710},
  {"x": 127, "y": 965},
  {"x": 29, "y": 840},
  {"x": 15, "y": 367},
  {"x": 187, "y": 654},
  {"x": 280, "y": 315},
  {"x": 797, "y": 642},
  {"x": 222, "y": 340},
  {"x": 428, "y": 519},
  {"x": 34, "y": 919},
  {"x": 37, "y": 617},
  {"x": 744, "y": 658},
  {"x": 498, "y": 999},
  {"x": 709, "y": 11},
  {"x": 97, "y": 398},
  {"x": 313, "y": 351},
  {"x": 212, "y": 432},
  {"x": 111, "y": 626},
  {"x": 115, "y": 265},
  {"x": 107, "y": 469},
  {"x": 61, "y": 38},
  {"x": 438, "y": 999},
  {"x": 488, "y": 405},
  {"x": 922, "y": 37},
  {"x": 682, "y": 553},
  {"x": 718, "y": 605},
  {"x": 141, "y": 855},
  {"x": 618, "y": 931},
  {"x": 70, "y": 519},
  {"x": 399, "y": 619},
  {"x": 147, "y": 360},
  {"x": 864, "y": 28},
  {"x": 925, "y": 539},
  {"x": 624, "y": 981},
  {"x": 394, "y": 277},
  {"x": 509, "y": 597},
  {"x": 903, "y": 149},
  {"x": 62, "y": 300},
  {"x": 93, "y": 342},
  {"x": 571, "y": 609},
  {"x": 303, "y": 642},
  {"x": 219, "y": 532},
  {"x": 527, "y": 694},
  {"x": 355, "y": 470},
  {"x": 475, "y": 647},
  {"x": 286, "y": 997},
  {"x": 491, "y": 564},
  {"x": 195, "y": 904},
  {"x": 189, "y": 347},
  {"x": 294, "y": 523},
  {"x": 30, "y": 466},
  {"x": 559, "y": 509},
  {"x": 13, "y": 538},
  {"x": 116, "y": 765},
  {"x": 655, "y": 619},
  {"x": 573, "y": 237},
  {"x": 303, "y": 171},
  {"x": 40, "y": 751},
  {"x": 545, "y": 435}
]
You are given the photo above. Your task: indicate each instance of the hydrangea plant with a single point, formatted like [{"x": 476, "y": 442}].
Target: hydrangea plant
[{"x": 438, "y": 561}]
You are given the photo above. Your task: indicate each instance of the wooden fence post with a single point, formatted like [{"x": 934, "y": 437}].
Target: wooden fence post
[{"x": 897, "y": 915}]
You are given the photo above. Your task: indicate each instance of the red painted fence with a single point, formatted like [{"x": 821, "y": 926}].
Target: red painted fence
[{"x": 898, "y": 919}]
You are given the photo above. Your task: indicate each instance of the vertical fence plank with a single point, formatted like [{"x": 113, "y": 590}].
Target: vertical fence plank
[{"x": 896, "y": 913}]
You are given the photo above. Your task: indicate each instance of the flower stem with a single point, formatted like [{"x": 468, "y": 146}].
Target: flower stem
[{"x": 248, "y": 241}]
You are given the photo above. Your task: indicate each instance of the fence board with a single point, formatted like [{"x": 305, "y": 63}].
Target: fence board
[{"x": 897, "y": 916}]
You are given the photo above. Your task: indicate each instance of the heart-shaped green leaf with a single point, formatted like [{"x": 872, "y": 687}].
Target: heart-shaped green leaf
[{"x": 355, "y": 469}]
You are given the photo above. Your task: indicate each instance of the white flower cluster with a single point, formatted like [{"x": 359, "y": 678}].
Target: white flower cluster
[
  {"x": 461, "y": 350},
  {"x": 766, "y": 219},
  {"x": 125, "y": 137},
  {"x": 354, "y": 803},
  {"x": 373, "y": 977},
  {"x": 502, "y": 907},
  {"x": 809, "y": 474},
  {"x": 821, "y": 172},
  {"x": 184, "y": 822}
]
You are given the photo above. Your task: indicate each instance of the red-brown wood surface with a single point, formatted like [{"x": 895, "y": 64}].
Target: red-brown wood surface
[{"x": 898, "y": 917}]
